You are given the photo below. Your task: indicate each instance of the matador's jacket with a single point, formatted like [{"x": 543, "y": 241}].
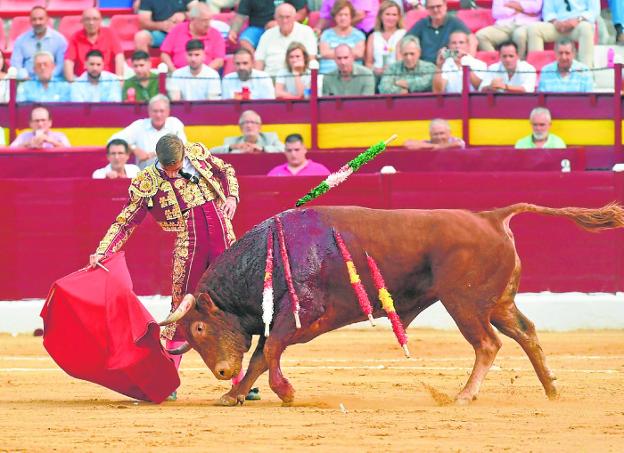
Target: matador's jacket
[{"x": 190, "y": 207}]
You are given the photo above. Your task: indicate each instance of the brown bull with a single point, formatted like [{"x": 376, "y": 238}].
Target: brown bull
[{"x": 466, "y": 260}]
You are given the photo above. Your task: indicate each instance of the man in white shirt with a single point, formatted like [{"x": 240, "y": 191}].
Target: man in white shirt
[
  {"x": 246, "y": 82},
  {"x": 95, "y": 84},
  {"x": 450, "y": 60},
  {"x": 197, "y": 81},
  {"x": 271, "y": 51},
  {"x": 117, "y": 153},
  {"x": 142, "y": 135},
  {"x": 510, "y": 74}
]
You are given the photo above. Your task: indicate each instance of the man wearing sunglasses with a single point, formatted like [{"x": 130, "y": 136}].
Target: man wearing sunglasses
[{"x": 571, "y": 19}]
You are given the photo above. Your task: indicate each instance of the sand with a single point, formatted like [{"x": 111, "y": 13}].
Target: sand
[{"x": 390, "y": 403}]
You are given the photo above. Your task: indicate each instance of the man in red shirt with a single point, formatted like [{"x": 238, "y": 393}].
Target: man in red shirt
[
  {"x": 198, "y": 27},
  {"x": 93, "y": 36}
]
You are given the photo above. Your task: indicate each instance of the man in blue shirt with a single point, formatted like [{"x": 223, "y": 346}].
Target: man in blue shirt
[
  {"x": 566, "y": 75},
  {"x": 573, "y": 19},
  {"x": 44, "y": 87},
  {"x": 95, "y": 84},
  {"x": 41, "y": 37}
]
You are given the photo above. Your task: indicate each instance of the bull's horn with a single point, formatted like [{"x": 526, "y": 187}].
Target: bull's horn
[
  {"x": 187, "y": 303},
  {"x": 184, "y": 347}
]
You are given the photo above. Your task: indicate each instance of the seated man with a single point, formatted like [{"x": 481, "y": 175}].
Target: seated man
[
  {"x": 510, "y": 74},
  {"x": 96, "y": 84},
  {"x": 571, "y": 19},
  {"x": 541, "y": 136},
  {"x": 261, "y": 17},
  {"x": 117, "y": 153},
  {"x": 512, "y": 21},
  {"x": 434, "y": 31},
  {"x": 40, "y": 38},
  {"x": 247, "y": 82},
  {"x": 409, "y": 75},
  {"x": 449, "y": 78},
  {"x": 45, "y": 86},
  {"x": 296, "y": 162},
  {"x": 566, "y": 75},
  {"x": 93, "y": 37},
  {"x": 196, "y": 81},
  {"x": 156, "y": 19},
  {"x": 439, "y": 138},
  {"x": 350, "y": 79},
  {"x": 142, "y": 135},
  {"x": 197, "y": 27},
  {"x": 252, "y": 141},
  {"x": 143, "y": 85},
  {"x": 40, "y": 137},
  {"x": 271, "y": 53}
]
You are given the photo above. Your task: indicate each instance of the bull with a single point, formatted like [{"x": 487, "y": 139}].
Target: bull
[{"x": 466, "y": 260}]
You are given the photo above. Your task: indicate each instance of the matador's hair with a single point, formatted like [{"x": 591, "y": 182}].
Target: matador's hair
[{"x": 170, "y": 149}]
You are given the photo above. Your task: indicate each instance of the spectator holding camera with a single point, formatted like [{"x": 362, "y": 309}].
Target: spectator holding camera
[
  {"x": 40, "y": 137},
  {"x": 450, "y": 60}
]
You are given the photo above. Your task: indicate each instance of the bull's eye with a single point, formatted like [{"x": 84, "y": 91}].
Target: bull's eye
[{"x": 200, "y": 328}]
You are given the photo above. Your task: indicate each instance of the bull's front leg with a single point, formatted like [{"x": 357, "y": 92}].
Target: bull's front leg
[
  {"x": 257, "y": 366},
  {"x": 279, "y": 384}
]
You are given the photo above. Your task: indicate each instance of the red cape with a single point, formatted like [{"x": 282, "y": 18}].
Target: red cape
[{"x": 95, "y": 328}]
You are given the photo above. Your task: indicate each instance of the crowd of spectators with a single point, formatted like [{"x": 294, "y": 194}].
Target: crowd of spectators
[{"x": 359, "y": 46}]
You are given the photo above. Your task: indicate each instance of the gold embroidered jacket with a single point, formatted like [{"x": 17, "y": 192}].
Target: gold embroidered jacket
[{"x": 169, "y": 201}]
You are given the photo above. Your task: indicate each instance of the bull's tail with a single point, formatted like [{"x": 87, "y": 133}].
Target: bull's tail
[{"x": 595, "y": 220}]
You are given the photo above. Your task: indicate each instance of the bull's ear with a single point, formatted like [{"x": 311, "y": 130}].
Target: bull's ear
[{"x": 205, "y": 304}]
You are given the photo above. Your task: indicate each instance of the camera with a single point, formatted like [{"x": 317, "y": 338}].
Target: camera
[{"x": 448, "y": 53}]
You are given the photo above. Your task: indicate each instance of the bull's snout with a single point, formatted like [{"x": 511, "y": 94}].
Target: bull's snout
[{"x": 223, "y": 370}]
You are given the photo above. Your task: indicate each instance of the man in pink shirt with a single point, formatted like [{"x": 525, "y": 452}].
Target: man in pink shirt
[
  {"x": 296, "y": 162},
  {"x": 197, "y": 27},
  {"x": 512, "y": 20}
]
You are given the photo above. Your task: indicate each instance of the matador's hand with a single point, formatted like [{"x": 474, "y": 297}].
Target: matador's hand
[
  {"x": 94, "y": 259},
  {"x": 229, "y": 207}
]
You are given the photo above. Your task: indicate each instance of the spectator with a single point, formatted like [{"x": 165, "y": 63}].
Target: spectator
[
  {"x": 156, "y": 19},
  {"x": 261, "y": 17},
  {"x": 349, "y": 79},
  {"x": 143, "y": 134},
  {"x": 198, "y": 27},
  {"x": 512, "y": 20},
  {"x": 541, "y": 136},
  {"x": 434, "y": 31},
  {"x": 409, "y": 75},
  {"x": 44, "y": 87},
  {"x": 510, "y": 74},
  {"x": 93, "y": 36},
  {"x": 382, "y": 45},
  {"x": 573, "y": 19},
  {"x": 617, "y": 16},
  {"x": 217, "y": 5},
  {"x": 364, "y": 18},
  {"x": 294, "y": 82},
  {"x": 272, "y": 47},
  {"x": 40, "y": 136},
  {"x": 342, "y": 33},
  {"x": 247, "y": 82},
  {"x": 96, "y": 84},
  {"x": 4, "y": 80},
  {"x": 252, "y": 141},
  {"x": 196, "y": 81},
  {"x": 117, "y": 154},
  {"x": 450, "y": 62},
  {"x": 566, "y": 75},
  {"x": 439, "y": 138},
  {"x": 40, "y": 38},
  {"x": 143, "y": 85},
  {"x": 296, "y": 162}
]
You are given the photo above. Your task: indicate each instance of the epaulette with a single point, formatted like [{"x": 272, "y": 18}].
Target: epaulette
[
  {"x": 145, "y": 184},
  {"x": 196, "y": 151}
]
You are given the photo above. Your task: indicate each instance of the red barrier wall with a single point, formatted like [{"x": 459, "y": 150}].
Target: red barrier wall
[{"x": 50, "y": 226}]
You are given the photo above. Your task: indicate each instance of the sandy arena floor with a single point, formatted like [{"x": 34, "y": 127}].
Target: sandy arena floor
[{"x": 392, "y": 404}]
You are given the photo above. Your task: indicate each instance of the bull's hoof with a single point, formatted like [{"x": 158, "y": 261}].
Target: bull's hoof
[
  {"x": 228, "y": 400},
  {"x": 464, "y": 400},
  {"x": 553, "y": 394}
]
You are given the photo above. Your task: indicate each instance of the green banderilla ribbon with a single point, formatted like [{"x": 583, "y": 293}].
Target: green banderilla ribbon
[{"x": 345, "y": 171}]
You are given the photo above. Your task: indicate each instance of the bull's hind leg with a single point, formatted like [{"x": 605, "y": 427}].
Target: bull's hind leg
[
  {"x": 475, "y": 327},
  {"x": 510, "y": 321}
]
